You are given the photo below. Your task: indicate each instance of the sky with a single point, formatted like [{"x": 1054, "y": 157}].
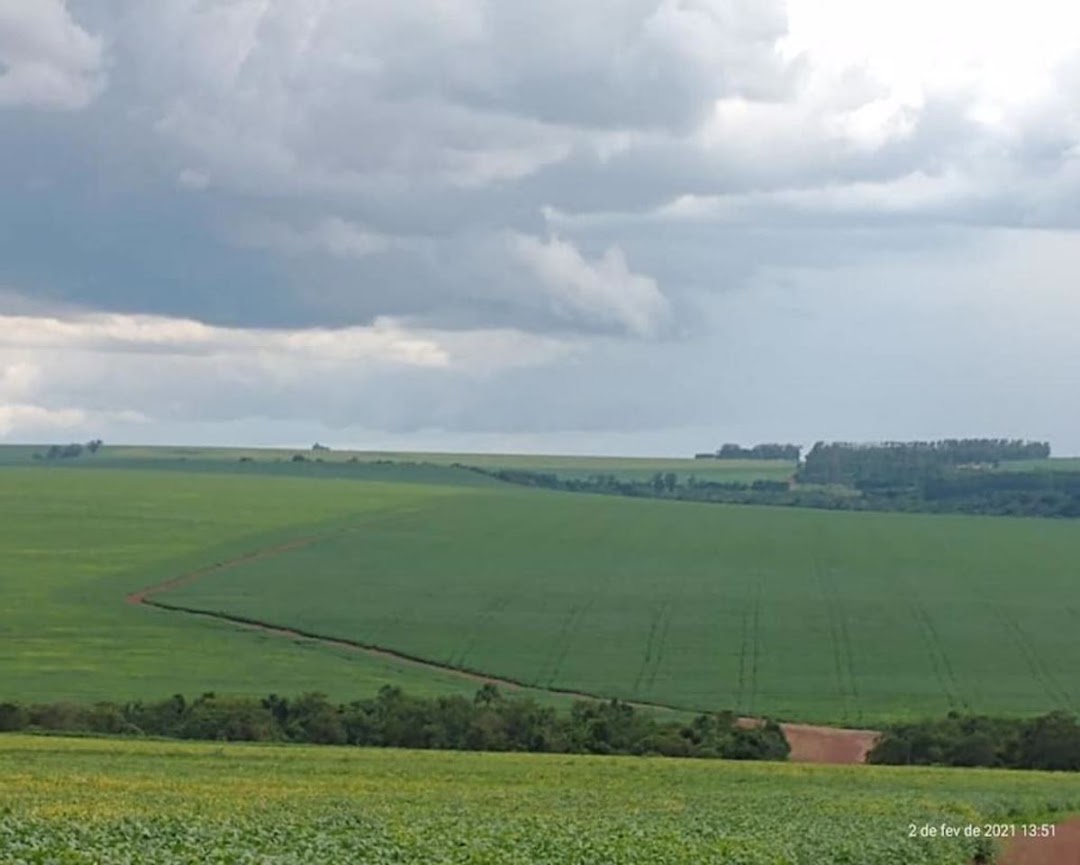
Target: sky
[{"x": 640, "y": 227}]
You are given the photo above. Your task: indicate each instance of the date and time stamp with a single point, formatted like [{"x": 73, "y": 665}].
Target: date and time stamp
[{"x": 981, "y": 830}]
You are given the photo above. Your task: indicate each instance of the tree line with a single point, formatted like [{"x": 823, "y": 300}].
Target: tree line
[
  {"x": 1050, "y": 742},
  {"x": 70, "y": 451},
  {"x": 769, "y": 451},
  {"x": 490, "y": 721},
  {"x": 903, "y": 463},
  {"x": 1028, "y": 494}
]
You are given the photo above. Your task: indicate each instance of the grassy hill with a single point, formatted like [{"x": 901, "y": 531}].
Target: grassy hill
[
  {"x": 74, "y": 543},
  {"x": 808, "y": 615},
  {"x": 844, "y": 617}
]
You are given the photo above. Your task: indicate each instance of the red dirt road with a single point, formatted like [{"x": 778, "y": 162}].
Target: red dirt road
[
  {"x": 809, "y": 744},
  {"x": 1062, "y": 849},
  {"x": 141, "y": 596}
]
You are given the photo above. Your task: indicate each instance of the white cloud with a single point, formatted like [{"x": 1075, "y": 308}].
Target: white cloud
[
  {"x": 78, "y": 371},
  {"x": 383, "y": 342},
  {"x": 28, "y": 422},
  {"x": 17, "y": 379},
  {"x": 46, "y": 59},
  {"x": 918, "y": 193},
  {"x": 604, "y": 291},
  {"x": 18, "y": 419}
]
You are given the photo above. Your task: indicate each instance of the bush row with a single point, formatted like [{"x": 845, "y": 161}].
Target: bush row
[
  {"x": 488, "y": 722},
  {"x": 1051, "y": 742}
]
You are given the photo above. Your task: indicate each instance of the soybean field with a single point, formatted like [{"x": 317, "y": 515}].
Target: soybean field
[
  {"x": 175, "y": 803},
  {"x": 123, "y": 582},
  {"x": 854, "y": 618}
]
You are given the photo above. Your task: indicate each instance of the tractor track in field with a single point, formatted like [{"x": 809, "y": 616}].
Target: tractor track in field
[
  {"x": 658, "y": 647},
  {"x": 843, "y": 656},
  {"x": 486, "y": 617},
  {"x": 809, "y": 743},
  {"x": 1035, "y": 661},
  {"x": 755, "y": 646},
  {"x": 939, "y": 658},
  {"x": 654, "y": 645},
  {"x": 655, "y": 615},
  {"x": 749, "y": 646}
]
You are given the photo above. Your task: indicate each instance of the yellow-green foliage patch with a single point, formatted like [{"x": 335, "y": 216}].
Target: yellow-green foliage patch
[{"x": 122, "y": 802}]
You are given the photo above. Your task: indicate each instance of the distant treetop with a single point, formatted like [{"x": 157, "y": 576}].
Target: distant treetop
[
  {"x": 70, "y": 451},
  {"x": 769, "y": 451},
  {"x": 909, "y": 462}
]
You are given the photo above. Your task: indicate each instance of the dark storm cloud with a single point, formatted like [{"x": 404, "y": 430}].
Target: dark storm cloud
[{"x": 539, "y": 215}]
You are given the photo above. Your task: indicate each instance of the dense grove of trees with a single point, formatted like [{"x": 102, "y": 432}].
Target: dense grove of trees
[
  {"x": 70, "y": 451},
  {"x": 1036, "y": 494},
  {"x": 769, "y": 451},
  {"x": 1049, "y": 742},
  {"x": 1031, "y": 494},
  {"x": 950, "y": 476},
  {"x": 900, "y": 463},
  {"x": 488, "y": 722},
  {"x": 660, "y": 485}
]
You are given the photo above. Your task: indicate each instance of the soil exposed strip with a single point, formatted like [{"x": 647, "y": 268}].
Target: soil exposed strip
[
  {"x": 143, "y": 595},
  {"x": 809, "y": 743}
]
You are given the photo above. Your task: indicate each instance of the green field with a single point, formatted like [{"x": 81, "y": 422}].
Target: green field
[
  {"x": 809, "y": 615},
  {"x": 346, "y": 462},
  {"x": 75, "y": 542},
  {"x": 172, "y": 803},
  {"x": 1054, "y": 464},
  {"x": 856, "y": 618}
]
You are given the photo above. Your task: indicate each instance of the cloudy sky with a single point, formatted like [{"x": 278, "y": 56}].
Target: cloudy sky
[{"x": 621, "y": 226}]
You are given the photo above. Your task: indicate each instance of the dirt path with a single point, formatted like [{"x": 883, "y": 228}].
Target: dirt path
[
  {"x": 809, "y": 744},
  {"x": 1062, "y": 849},
  {"x": 143, "y": 595}
]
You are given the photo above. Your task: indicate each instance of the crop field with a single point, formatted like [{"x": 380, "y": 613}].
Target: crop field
[
  {"x": 348, "y": 463},
  {"x": 803, "y": 615},
  {"x": 73, "y": 543},
  {"x": 853, "y": 618},
  {"x": 1054, "y": 464},
  {"x": 171, "y": 803}
]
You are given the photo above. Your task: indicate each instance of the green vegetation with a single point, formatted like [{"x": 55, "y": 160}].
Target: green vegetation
[
  {"x": 856, "y": 618},
  {"x": 951, "y": 476},
  {"x": 1049, "y": 742},
  {"x": 170, "y": 803},
  {"x": 894, "y": 464},
  {"x": 489, "y": 721},
  {"x": 318, "y": 463},
  {"x": 772, "y": 451},
  {"x": 74, "y": 542},
  {"x": 1054, "y": 464},
  {"x": 798, "y": 614}
]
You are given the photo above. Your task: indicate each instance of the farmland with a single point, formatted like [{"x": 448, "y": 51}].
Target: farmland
[
  {"x": 76, "y": 542},
  {"x": 172, "y": 803},
  {"x": 853, "y": 618},
  {"x": 347, "y": 462}
]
